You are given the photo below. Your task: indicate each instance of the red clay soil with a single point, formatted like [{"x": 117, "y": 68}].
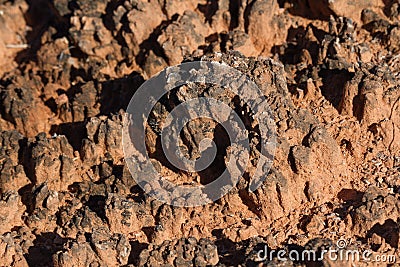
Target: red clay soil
[{"x": 329, "y": 71}]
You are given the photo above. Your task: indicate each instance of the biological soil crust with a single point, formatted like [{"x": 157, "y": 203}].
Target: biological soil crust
[{"x": 329, "y": 71}]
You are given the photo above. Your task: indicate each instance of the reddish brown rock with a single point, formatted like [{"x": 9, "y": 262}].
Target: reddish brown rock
[
  {"x": 183, "y": 37},
  {"x": 54, "y": 162},
  {"x": 12, "y": 173},
  {"x": 103, "y": 249},
  {"x": 11, "y": 211},
  {"x": 12, "y": 35},
  {"x": 68, "y": 68},
  {"x": 11, "y": 253}
]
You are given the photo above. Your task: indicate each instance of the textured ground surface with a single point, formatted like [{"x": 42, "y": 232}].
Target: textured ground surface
[{"x": 329, "y": 70}]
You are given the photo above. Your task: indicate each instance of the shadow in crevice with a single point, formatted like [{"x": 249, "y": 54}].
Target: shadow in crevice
[
  {"x": 107, "y": 17},
  {"x": 389, "y": 231},
  {"x": 296, "y": 41},
  {"x": 40, "y": 16},
  {"x": 391, "y": 9},
  {"x": 209, "y": 9},
  {"x": 352, "y": 199},
  {"x": 96, "y": 203},
  {"x": 334, "y": 82},
  {"x": 234, "y": 7},
  {"x": 247, "y": 11},
  {"x": 217, "y": 167},
  {"x": 138, "y": 195},
  {"x": 149, "y": 232},
  {"x": 109, "y": 23},
  {"x": 228, "y": 248},
  {"x": 152, "y": 44},
  {"x": 310, "y": 9},
  {"x": 26, "y": 197},
  {"x": 25, "y": 158},
  {"x": 246, "y": 198},
  {"x": 116, "y": 94},
  {"x": 136, "y": 249},
  {"x": 351, "y": 196},
  {"x": 75, "y": 132},
  {"x": 43, "y": 249}
]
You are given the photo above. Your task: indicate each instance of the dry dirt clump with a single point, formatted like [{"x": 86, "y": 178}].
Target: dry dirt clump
[{"x": 329, "y": 71}]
